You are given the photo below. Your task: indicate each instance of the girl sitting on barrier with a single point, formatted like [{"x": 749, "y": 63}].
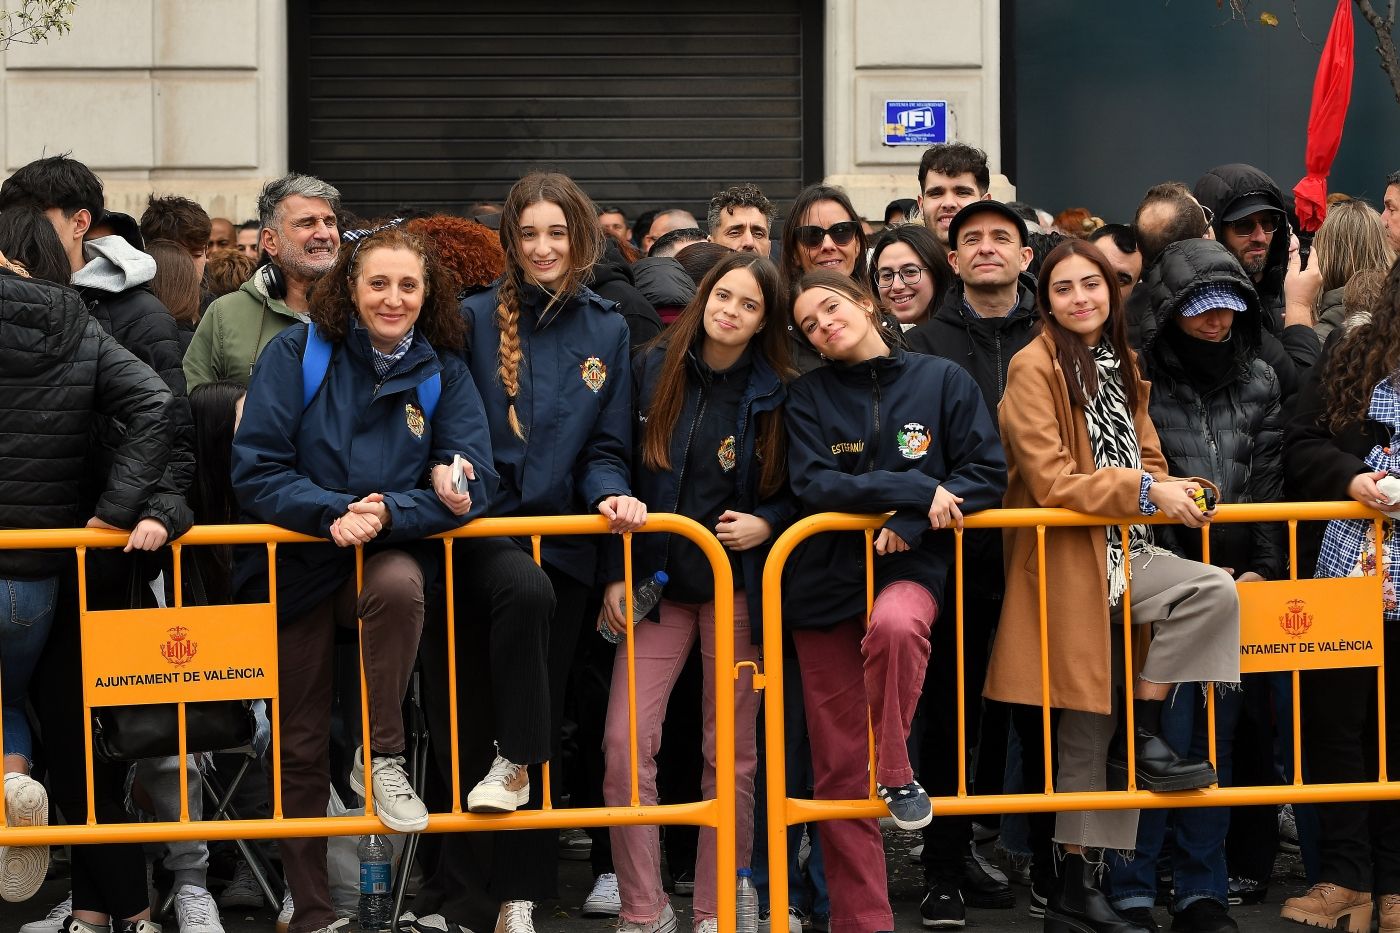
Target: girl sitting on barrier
[
  {"x": 342, "y": 420},
  {"x": 1077, "y": 433},
  {"x": 1342, "y": 441},
  {"x": 709, "y": 393},
  {"x": 878, "y": 429},
  {"x": 550, "y": 359}
]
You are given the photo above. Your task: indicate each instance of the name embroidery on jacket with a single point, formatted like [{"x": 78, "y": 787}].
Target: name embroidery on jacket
[{"x": 848, "y": 447}]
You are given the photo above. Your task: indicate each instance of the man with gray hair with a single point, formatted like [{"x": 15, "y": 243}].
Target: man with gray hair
[
  {"x": 299, "y": 234},
  {"x": 663, "y": 223},
  {"x": 741, "y": 218}
]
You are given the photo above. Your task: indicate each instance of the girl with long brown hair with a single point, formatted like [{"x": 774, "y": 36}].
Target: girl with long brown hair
[
  {"x": 550, "y": 359},
  {"x": 709, "y": 395},
  {"x": 1343, "y": 442},
  {"x": 877, "y": 430},
  {"x": 1075, "y": 423}
]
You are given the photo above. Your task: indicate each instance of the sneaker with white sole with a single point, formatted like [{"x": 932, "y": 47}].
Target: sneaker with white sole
[
  {"x": 516, "y": 916},
  {"x": 665, "y": 923},
  {"x": 340, "y": 924},
  {"x": 196, "y": 911},
  {"x": 505, "y": 788},
  {"x": 72, "y": 925},
  {"x": 709, "y": 925},
  {"x": 23, "y": 868},
  {"x": 284, "y": 916},
  {"x": 52, "y": 922},
  {"x": 908, "y": 805},
  {"x": 395, "y": 802},
  {"x": 765, "y": 921},
  {"x": 242, "y": 890},
  {"x": 604, "y": 900}
]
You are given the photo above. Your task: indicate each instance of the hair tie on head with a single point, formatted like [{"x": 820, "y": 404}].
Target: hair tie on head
[{"x": 359, "y": 236}]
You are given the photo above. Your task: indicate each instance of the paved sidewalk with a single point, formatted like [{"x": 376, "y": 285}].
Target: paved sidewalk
[{"x": 575, "y": 881}]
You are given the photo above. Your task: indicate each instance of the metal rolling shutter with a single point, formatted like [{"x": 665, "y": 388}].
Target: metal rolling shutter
[{"x": 440, "y": 105}]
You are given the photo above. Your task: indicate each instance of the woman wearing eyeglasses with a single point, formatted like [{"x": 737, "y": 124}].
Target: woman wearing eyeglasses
[{"x": 909, "y": 273}]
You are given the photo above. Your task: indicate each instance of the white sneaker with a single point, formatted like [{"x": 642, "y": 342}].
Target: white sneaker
[
  {"x": 505, "y": 787},
  {"x": 243, "y": 890},
  {"x": 53, "y": 920},
  {"x": 336, "y": 925},
  {"x": 196, "y": 911},
  {"x": 395, "y": 803},
  {"x": 765, "y": 921},
  {"x": 604, "y": 900},
  {"x": 516, "y": 916},
  {"x": 666, "y": 923},
  {"x": 23, "y": 868},
  {"x": 708, "y": 926},
  {"x": 284, "y": 916}
]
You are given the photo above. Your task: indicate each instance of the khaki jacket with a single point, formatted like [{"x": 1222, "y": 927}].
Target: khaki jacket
[{"x": 233, "y": 331}]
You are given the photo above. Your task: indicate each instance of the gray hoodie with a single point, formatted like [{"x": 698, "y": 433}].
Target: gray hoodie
[{"x": 113, "y": 265}]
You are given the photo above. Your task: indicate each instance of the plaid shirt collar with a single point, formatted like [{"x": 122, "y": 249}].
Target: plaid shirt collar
[{"x": 384, "y": 362}]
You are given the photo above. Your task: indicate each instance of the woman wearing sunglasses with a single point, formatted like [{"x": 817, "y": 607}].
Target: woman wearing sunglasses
[
  {"x": 909, "y": 273},
  {"x": 823, "y": 231}
]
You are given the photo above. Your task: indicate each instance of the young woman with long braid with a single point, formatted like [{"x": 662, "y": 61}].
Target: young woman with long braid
[{"x": 550, "y": 359}]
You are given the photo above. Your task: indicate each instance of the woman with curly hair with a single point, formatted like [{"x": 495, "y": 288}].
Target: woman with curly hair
[
  {"x": 550, "y": 359},
  {"x": 470, "y": 252},
  {"x": 1343, "y": 441},
  {"x": 343, "y": 419}
]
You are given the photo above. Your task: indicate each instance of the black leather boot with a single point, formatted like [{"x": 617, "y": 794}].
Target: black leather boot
[
  {"x": 1076, "y": 905},
  {"x": 1159, "y": 768}
]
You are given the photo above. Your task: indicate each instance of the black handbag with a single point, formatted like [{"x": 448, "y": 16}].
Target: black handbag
[{"x": 127, "y": 733}]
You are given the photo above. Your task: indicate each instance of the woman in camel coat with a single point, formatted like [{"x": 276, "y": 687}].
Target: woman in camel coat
[{"x": 1087, "y": 444}]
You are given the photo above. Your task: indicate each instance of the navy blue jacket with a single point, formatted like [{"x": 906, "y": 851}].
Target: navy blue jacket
[
  {"x": 883, "y": 435},
  {"x": 660, "y": 489},
  {"x": 575, "y": 407},
  {"x": 302, "y": 469}
]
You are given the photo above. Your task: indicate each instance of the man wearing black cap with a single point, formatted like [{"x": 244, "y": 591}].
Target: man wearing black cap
[{"x": 980, "y": 323}]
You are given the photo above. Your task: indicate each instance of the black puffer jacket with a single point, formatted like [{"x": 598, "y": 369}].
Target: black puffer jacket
[
  {"x": 141, "y": 324},
  {"x": 60, "y": 374},
  {"x": 1217, "y": 189},
  {"x": 982, "y": 346},
  {"x": 612, "y": 279},
  {"x": 1232, "y": 434},
  {"x": 1154, "y": 301}
]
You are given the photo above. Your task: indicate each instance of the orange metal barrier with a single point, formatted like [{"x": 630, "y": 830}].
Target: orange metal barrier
[
  {"x": 145, "y": 656},
  {"x": 1347, "y": 609}
]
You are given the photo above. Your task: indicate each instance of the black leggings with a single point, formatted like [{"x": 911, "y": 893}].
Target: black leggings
[
  {"x": 108, "y": 878},
  {"x": 497, "y": 582}
]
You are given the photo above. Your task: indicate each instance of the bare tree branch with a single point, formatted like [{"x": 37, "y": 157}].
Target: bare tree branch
[
  {"x": 1385, "y": 41},
  {"x": 1298, "y": 21}
]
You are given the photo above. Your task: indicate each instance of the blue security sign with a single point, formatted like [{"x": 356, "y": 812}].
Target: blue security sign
[{"x": 916, "y": 122}]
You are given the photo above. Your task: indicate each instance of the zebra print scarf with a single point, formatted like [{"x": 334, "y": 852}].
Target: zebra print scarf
[{"x": 1115, "y": 444}]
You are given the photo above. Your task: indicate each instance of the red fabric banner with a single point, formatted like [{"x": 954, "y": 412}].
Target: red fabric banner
[{"x": 1331, "y": 96}]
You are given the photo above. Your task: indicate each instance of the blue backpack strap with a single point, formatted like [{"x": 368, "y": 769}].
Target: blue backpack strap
[
  {"x": 428, "y": 394},
  {"x": 315, "y": 360}
]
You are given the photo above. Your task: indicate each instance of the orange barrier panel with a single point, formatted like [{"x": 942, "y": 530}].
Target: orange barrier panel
[
  {"x": 190, "y": 654},
  {"x": 1319, "y": 624}
]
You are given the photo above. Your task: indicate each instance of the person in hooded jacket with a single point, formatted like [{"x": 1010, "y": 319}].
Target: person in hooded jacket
[
  {"x": 1247, "y": 213},
  {"x": 344, "y": 459},
  {"x": 612, "y": 279},
  {"x": 879, "y": 429},
  {"x": 709, "y": 397},
  {"x": 1215, "y": 405},
  {"x": 550, "y": 359},
  {"x": 664, "y": 282},
  {"x": 62, "y": 374}
]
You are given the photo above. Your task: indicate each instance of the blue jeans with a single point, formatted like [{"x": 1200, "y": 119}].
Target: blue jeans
[
  {"x": 1198, "y": 856},
  {"x": 26, "y": 614}
]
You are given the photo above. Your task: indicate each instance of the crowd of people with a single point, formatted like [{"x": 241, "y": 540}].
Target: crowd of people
[{"x": 372, "y": 382}]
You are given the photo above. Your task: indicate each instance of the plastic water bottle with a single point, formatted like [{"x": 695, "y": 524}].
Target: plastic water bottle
[
  {"x": 376, "y": 882},
  {"x": 644, "y": 600},
  {"x": 746, "y": 903}
]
